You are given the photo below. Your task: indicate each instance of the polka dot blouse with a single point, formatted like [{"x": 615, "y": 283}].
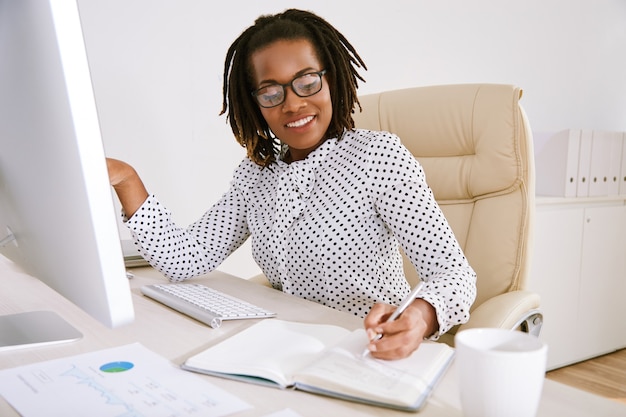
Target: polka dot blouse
[{"x": 326, "y": 228}]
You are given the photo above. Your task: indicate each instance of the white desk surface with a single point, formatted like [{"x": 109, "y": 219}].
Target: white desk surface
[{"x": 177, "y": 337}]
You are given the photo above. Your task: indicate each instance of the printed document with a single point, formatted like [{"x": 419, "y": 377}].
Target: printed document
[{"x": 129, "y": 381}]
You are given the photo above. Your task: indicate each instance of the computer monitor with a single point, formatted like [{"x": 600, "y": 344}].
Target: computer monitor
[{"x": 57, "y": 215}]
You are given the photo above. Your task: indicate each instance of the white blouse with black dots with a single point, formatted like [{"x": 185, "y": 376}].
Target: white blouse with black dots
[{"x": 325, "y": 228}]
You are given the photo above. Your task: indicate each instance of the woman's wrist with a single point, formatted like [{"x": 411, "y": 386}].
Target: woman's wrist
[{"x": 429, "y": 315}]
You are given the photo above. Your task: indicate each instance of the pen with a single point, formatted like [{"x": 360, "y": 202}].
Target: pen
[{"x": 403, "y": 305}]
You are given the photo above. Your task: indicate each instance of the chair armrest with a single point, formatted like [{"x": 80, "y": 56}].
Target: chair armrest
[{"x": 512, "y": 310}]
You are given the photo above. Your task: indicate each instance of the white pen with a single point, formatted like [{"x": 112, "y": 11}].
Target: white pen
[{"x": 403, "y": 305}]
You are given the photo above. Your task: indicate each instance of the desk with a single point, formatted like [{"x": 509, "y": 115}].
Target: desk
[{"x": 177, "y": 337}]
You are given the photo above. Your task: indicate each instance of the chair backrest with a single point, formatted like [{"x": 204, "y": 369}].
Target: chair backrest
[{"x": 475, "y": 145}]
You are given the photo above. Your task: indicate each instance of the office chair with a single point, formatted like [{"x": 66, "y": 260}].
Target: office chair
[{"x": 475, "y": 145}]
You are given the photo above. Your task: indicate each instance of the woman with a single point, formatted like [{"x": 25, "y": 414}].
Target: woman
[{"x": 325, "y": 205}]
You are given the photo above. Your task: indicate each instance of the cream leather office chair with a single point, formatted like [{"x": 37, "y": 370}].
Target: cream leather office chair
[{"x": 475, "y": 145}]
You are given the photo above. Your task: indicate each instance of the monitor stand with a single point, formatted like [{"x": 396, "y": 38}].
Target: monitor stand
[{"x": 35, "y": 328}]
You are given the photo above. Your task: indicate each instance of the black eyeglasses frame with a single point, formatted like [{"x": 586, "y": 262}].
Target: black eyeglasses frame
[{"x": 255, "y": 93}]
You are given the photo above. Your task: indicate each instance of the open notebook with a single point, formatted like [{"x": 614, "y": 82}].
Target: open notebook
[{"x": 327, "y": 360}]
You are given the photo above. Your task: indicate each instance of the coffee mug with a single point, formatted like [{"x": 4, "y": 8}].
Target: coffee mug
[{"x": 501, "y": 372}]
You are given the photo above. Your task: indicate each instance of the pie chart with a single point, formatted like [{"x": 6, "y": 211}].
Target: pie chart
[{"x": 114, "y": 367}]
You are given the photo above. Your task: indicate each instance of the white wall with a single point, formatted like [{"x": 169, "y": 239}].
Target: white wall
[{"x": 157, "y": 70}]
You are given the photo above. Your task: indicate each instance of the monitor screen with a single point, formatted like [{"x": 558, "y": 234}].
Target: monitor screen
[{"x": 57, "y": 215}]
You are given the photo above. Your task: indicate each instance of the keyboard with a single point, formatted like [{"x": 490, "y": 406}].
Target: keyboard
[{"x": 204, "y": 304}]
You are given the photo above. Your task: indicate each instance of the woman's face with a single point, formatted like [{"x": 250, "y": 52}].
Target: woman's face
[{"x": 300, "y": 122}]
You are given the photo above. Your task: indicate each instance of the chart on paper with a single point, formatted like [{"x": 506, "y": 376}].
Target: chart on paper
[{"x": 129, "y": 381}]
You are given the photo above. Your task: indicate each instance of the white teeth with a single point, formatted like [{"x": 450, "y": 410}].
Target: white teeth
[{"x": 300, "y": 122}]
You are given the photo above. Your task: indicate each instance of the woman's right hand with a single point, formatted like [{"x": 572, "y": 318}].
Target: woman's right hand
[{"x": 128, "y": 186}]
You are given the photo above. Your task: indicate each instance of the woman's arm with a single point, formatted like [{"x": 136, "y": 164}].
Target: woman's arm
[
  {"x": 408, "y": 208},
  {"x": 126, "y": 182}
]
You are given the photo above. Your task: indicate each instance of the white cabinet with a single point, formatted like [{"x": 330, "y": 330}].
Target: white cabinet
[{"x": 579, "y": 270}]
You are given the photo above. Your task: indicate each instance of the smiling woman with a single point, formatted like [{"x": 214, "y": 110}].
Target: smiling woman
[
  {"x": 263, "y": 51},
  {"x": 299, "y": 121},
  {"x": 325, "y": 205}
]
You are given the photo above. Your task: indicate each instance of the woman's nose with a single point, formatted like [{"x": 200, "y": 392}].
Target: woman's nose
[{"x": 292, "y": 102}]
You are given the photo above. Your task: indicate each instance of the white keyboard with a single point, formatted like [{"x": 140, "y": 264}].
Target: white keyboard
[{"x": 204, "y": 304}]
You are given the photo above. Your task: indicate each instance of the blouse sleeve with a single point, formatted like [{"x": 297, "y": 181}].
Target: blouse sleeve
[
  {"x": 184, "y": 253},
  {"x": 407, "y": 205}
]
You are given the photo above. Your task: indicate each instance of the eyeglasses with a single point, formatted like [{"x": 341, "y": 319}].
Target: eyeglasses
[{"x": 304, "y": 85}]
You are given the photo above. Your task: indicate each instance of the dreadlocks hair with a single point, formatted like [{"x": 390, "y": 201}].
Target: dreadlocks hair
[{"x": 338, "y": 56}]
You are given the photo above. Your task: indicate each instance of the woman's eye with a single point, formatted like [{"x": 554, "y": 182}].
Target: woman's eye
[{"x": 271, "y": 94}]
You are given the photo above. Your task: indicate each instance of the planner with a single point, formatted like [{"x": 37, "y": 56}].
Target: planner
[{"x": 326, "y": 360}]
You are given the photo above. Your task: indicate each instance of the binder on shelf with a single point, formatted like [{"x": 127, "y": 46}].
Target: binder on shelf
[
  {"x": 615, "y": 166},
  {"x": 600, "y": 161},
  {"x": 557, "y": 164},
  {"x": 584, "y": 163},
  {"x": 622, "y": 177}
]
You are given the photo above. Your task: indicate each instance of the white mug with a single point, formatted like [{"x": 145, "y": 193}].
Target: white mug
[{"x": 501, "y": 372}]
